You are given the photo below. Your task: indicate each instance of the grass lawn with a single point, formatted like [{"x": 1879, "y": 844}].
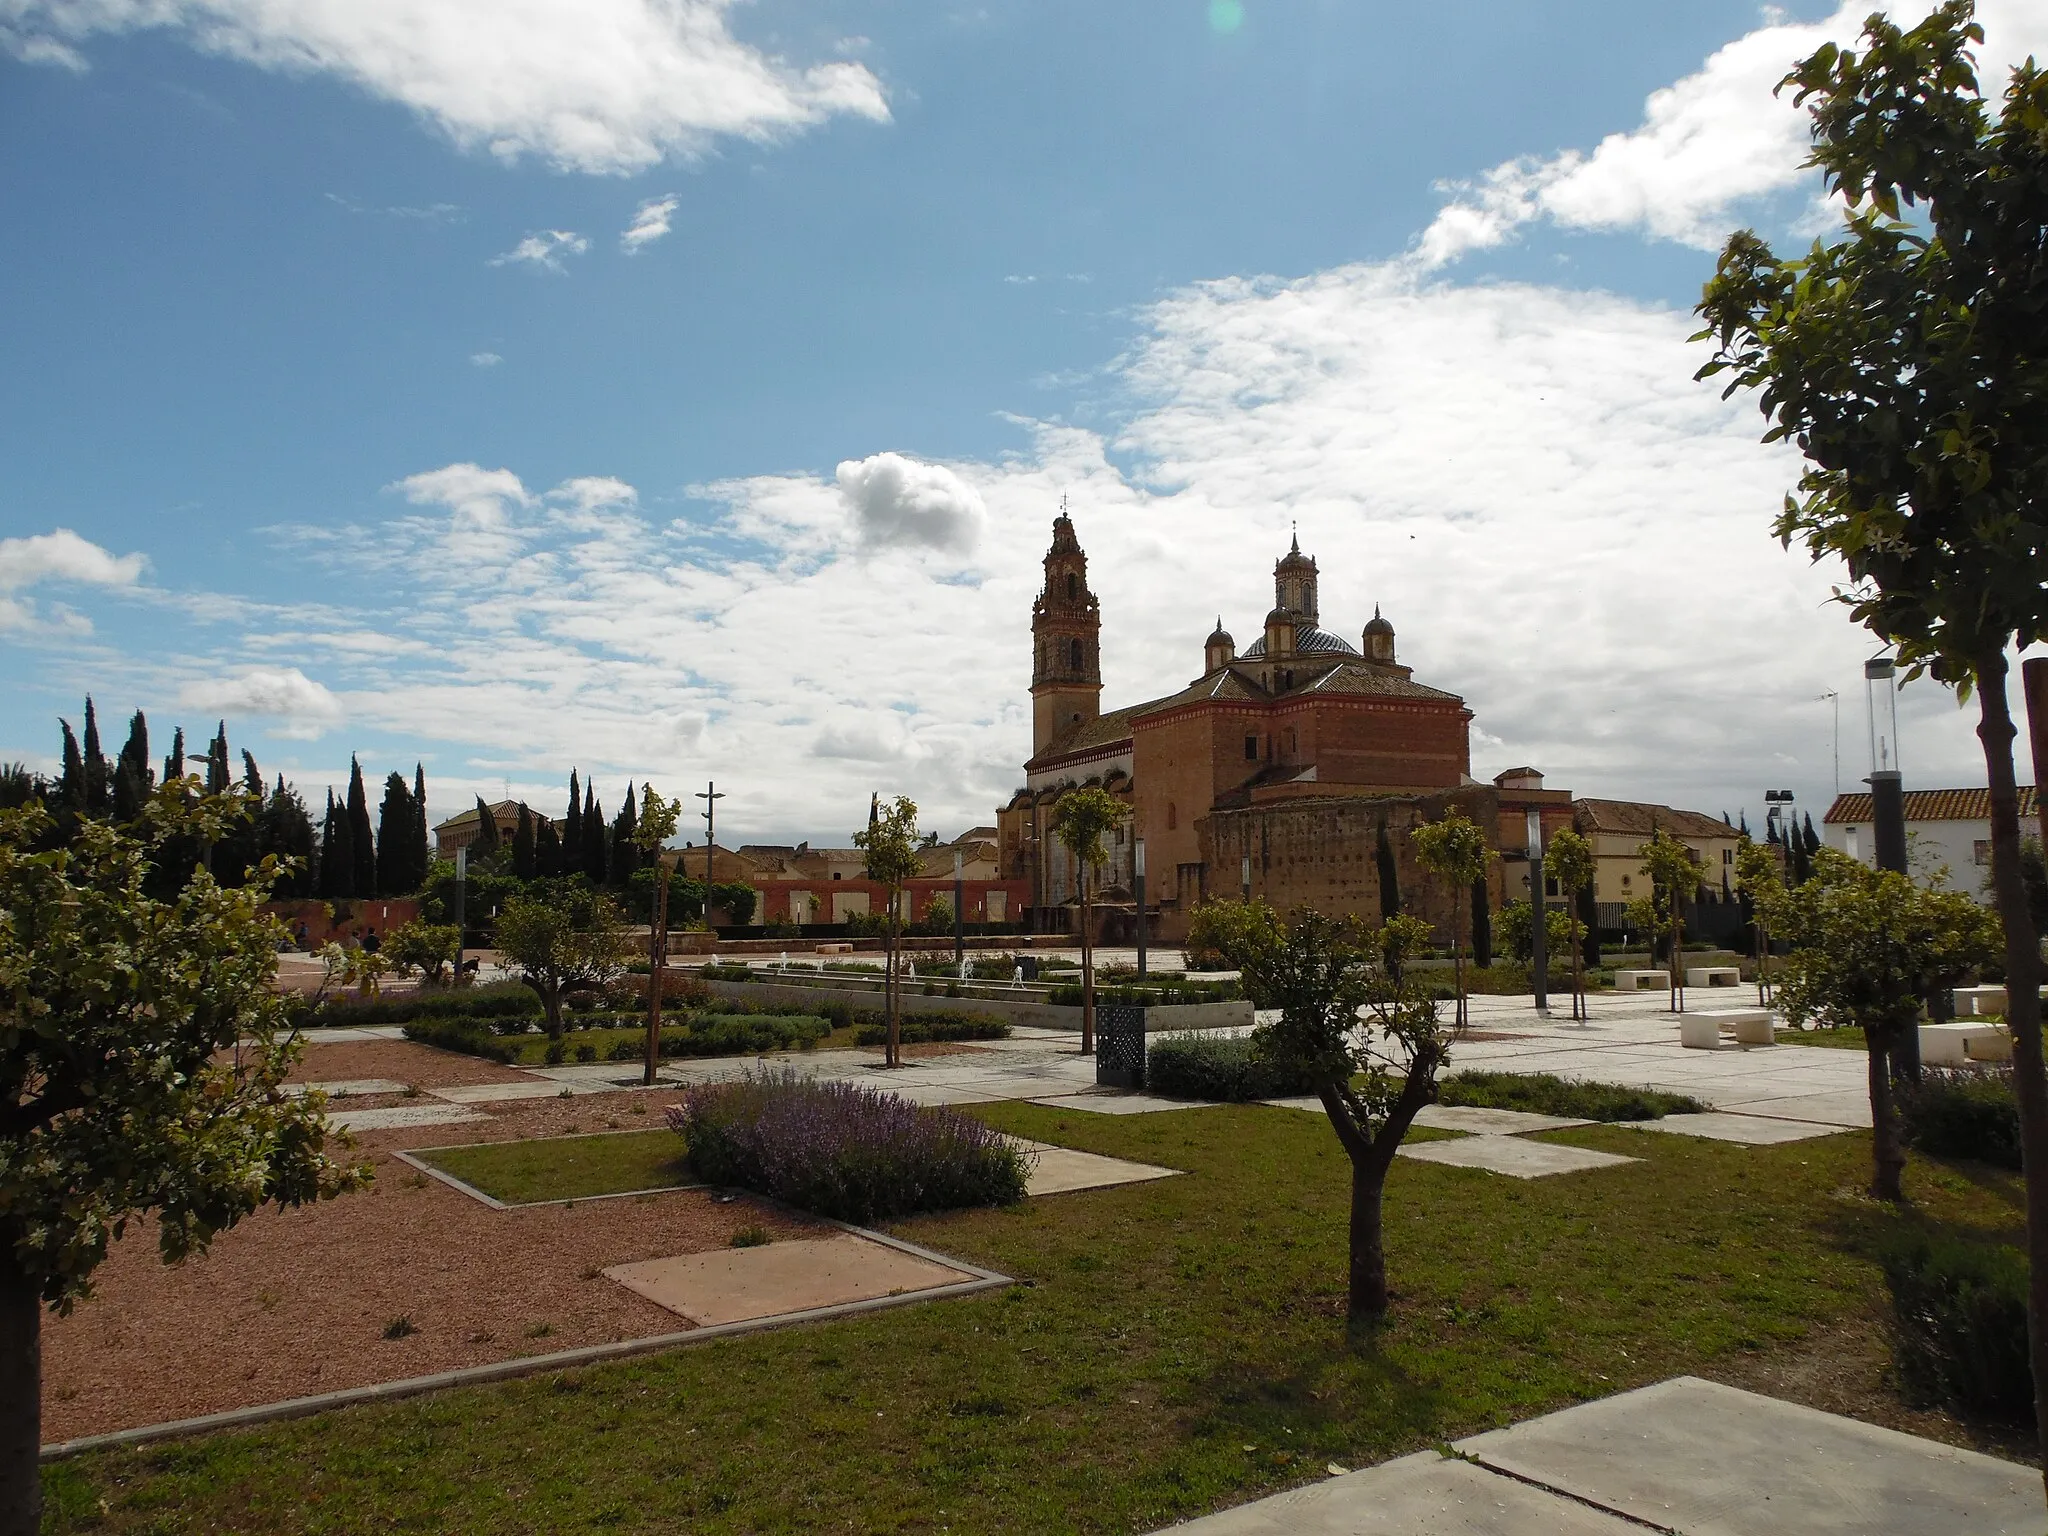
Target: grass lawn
[
  {"x": 1177, "y": 1346},
  {"x": 568, "y": 1167},
  {"x": 1847, "y": 1038}
]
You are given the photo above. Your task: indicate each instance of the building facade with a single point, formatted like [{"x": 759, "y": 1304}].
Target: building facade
[{"x": 1948, "y": 834}]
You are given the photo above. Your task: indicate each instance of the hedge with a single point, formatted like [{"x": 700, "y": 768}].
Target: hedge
[
  {"x": 1961, "y": 1314},
  {"x": 1217, "y": 1068},
  {"x": 1968, "y": 1112}
]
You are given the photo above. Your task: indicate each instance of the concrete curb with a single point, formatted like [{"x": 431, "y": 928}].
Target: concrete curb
[{"x": 537, "y": 1365}]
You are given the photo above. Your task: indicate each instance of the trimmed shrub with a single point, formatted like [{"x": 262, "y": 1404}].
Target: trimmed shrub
[
  {"x": 499, "y": 1000},
  {"x": 1539, "y": 1093},
  {"x": 843, "y": 1149},
  {"x": 922, "y": 1028},
  {"x": 725, "y": 1035},
  {"x": 1961, "y": 1315},
  {"x": 1969, "y": 1112},
  {"x": 1216, "y": 1067},
  {"x": 1154, "y": 994},
  {"x": 472, "y": 1037}
]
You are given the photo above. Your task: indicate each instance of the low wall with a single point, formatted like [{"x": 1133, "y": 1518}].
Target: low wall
[{"x": 1032, "y": 1015}]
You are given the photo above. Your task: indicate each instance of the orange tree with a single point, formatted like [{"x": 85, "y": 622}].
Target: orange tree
[{"x": 1079, "y": 821}]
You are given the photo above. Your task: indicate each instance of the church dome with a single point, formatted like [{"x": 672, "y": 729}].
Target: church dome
[
  {"x": 1219, "y": 635},
  {"x": 1281, "y": 616},
  {"x": 1307, "y": 642},
  {"x": 1377, "y": 625},
  {"x": 1294, "y": 559}
]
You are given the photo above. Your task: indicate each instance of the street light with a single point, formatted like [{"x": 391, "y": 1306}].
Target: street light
[
  {"x": 959, "y": 916},
  {"x": 1539, "y": 914},
  {"x": 1138, "y": 878},
  {"x": 1887, "y": 789}
]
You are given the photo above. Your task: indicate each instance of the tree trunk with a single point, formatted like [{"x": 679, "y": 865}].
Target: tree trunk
[
  {"x": 1888, "y": 1157},
  {"x": 2023, "y": 1006},
  {"x": 1087, "y": 972},
  {"x": 1579, "y": 1011},
  {"x": 657, "y": 963},
  {"x": 551, "y": 1008},
  {"x": 21, "y": 1405},
  {"x": 1677, "y": 955},
  {"x": 1457, "y": 980},
  {"x": 1368, "y": 1279}
]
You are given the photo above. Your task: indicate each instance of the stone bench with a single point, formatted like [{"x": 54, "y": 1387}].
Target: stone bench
[
  {"x": 1713, "y": 976},
  {"x": 1750, "y": 1026},
  {"x": 1641, "y": 981},
  {"x": 835, "y": 949},
  {"x": 1955, "y": 1045},
  {"x": 1975, "y": 1002}
]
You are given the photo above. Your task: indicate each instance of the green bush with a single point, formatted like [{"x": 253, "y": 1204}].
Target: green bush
[
  {"x": 1152, "y": 995},
  {"x": 1218, "y": 1068},
  {"x": 1961, "y": 1316},
  {"x": 1541, "y": 1094},
  {"x": 920, "y": 1028},
  {"x": 499, "y": 1000},
  {"x": 472, "y": 1037},
  {"x": 1968, "y": 1112}
]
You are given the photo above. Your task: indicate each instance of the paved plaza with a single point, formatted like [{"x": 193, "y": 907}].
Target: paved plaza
[{"x": 1685, "y": 1456}]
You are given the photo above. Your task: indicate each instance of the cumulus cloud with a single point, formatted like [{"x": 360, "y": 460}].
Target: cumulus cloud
[
  {"x": 304, "y": 708},
  {"x": 544, "y": 249},
  {"x": 1708, "y": 146},
  {"x": 606, "y": 86},
  {"x": 650, "y": 223},
  {"x": 485, "y": 359},
  {"x": 57, "y": 556},
  {"x": 904, "y": 503}
]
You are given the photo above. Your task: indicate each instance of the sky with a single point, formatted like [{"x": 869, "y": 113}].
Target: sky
[{"x": 685, "y": 388}]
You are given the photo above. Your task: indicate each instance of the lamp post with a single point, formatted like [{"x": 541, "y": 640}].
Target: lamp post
[
  {"x": 1138, "y": 880},
  {"x": 959, "y": 916},
  {"x": 710, "y": 796},
  {"x": 1539, "y": 915},
  {"x": 461, "y": 891},
  {"x": 1887, "y": 789},
  {"x": 1244, "y": 877}
]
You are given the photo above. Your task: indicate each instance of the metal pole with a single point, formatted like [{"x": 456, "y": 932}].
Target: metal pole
[
  {"x": 461, "y": 894},
  {"x": 710, "y": 796},
  {"x": 1245, "y": 877},
  {"x": 1539, "y": 914},
  {"x": 2034, "y": 683},
  {"x": 959, "y": 917},
  {"x": 1138, "y": 878}
]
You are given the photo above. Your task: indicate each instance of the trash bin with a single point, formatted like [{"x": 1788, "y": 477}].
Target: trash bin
[{"x": 1119, "y": 1046}]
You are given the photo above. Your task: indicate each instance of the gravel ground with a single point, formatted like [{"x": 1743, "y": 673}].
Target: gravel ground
[
  {"x": 402, "y": 1062},
  {"x": 297, "y": 1302}
]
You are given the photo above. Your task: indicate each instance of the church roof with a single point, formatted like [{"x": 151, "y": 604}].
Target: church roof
[
  {"x": 1368, "y": 680},
  {"x": 1103, "y": 731},
  {"x": 1308, "y": 640}
]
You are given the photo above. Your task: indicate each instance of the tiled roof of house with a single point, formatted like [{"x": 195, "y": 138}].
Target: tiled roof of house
[
  {"x": 1934, "y": 805},
  {"x": 1367, "y": 680},
  {"x": 1636, "y": 816}
]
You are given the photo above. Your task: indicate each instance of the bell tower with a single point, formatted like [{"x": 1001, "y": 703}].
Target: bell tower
[{"x": 1066, "y": 631}]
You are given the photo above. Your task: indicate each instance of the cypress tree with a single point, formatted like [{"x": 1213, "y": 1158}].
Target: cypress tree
[
  {"x": 71, "y": 782},
  {"x": 572, "y": 828},
  {"x": 1482, "y": 924},
  {"x": 1389, "y": 873},
  {"x": 547, "y": 848},
  {"x": 287, "y": 831},
  {"x": 337, "y": 853},
  {"x": 486, "y": 842},
  {"x": 625, "y": 851},
  {"x": 99, "y": 776},
  {"x": 174, "y": 765},
  {"x": 423, "y": 839},
  {"x": 362, "y": 840},
  {"x": 1812, "y": 837},
  {"x": 523, "y": 865},
  {"x": 397, "y": 824},
  {"x": 132, "y": 782},
  {"x": 217, "y": 779},
  {"x": 252, "y": 776},
  {"x": 595, "y": 864}
]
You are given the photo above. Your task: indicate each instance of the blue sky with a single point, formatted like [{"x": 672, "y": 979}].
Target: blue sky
[{"x": 371, "y": 430}]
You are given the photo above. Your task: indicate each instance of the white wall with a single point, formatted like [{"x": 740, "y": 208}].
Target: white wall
[{"x": 1930, "y": 845}]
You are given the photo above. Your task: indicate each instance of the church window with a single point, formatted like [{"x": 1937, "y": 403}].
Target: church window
[
  {"x": 1172, "y": 816},
  {"x": 1078, "y": 663},
  {"x": 1073, "y": 586},
  {"x": 1251, "y": 749}
]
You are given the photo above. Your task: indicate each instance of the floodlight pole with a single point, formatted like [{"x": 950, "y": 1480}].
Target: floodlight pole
[
  {"x": 1138, "y": 880},
  {"x": 959, "y": 916},
  {"x": 461, "y": 891},
  {"x": 710, "y": 796},
  {"x": 1539, "y": 915}
]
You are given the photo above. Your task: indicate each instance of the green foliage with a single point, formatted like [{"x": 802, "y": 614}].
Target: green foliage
[
  {"x": 919, "y": 1028},
  {"x": 1560, "y": 932},
  {"x": 1539, "y": 1093},
  {"x": 499, "y": 1000},
  {"x": 1968, "y": 1112},
  {"x": 890, "y": 843},
  {"x": 1080, "y": 819},
  {"x": 1452, "y": 848},
  {"x": 120, "y": 1016},
  {"x": 422, "y": 946},
  {"x": 1218, "y": 1069},
  {"x": 470, "y": 1036},
  {"x": 1225, "y": 934},
  {"x": 1961, "y": 1314},
  {"x": 559, "y": 936}
]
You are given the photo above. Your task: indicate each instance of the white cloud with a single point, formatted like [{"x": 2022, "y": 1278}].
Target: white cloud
[
  {"x": 305, "y": 707},
  {"x": 485, "y": 359},
  {"x": 1709, "y": 145},
  {"x": 544, "y": 249},
  {"x": 607, "y": 86},
  {"x": 57, "y": 556},
  {"x": 650, "y": 223},
  {"x": 900, "y": 502}
]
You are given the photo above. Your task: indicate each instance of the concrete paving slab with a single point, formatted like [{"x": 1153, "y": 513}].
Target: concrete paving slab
[
  {"x": 1120, "y": 1103},
  {"x": 1709, "y": 1460},
  {"x": 732, "y": 1285},
  {"x": 1061, "y": 1170},
  {"x": 1475, "y": 1121},
  {"x": 348, "y": 1087},
  {"x": 1846, "y": 1110},
  {"x": 1308, "y": 1102},
  {"x": 1511, "y": 1155},
  {"x": 1748, "y": 1130},
  {"x": 401, "y": 1115},
  {"x": 495, "y": 1093},
  {"x": 1420, "y": 1495}
]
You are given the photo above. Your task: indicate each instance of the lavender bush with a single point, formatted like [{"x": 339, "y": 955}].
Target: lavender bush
[{"x": 844, "y": 1150}]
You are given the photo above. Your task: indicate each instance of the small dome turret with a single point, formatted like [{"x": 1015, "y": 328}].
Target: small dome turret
[
  {"x": 1280, "y": 625},
  {"x": 1379, "y": 638},
  {"x": 1219, "y": 650}
]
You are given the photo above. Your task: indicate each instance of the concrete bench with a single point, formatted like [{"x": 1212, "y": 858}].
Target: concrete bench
[
  {"x": 1641, "y": 981},
  {"x": 1750, "y": 1026},
  {"x": 835, "y": 949},
  {"x": 1975, "y": 1002},
  {"x": 1954, "y": 1045},
  {"x": 1713, "y": 976}
]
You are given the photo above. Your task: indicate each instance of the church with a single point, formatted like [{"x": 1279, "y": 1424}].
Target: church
[{"x": 1291, "y": 771}]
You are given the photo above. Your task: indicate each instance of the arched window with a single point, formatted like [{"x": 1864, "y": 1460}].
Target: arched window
[
  {"x": 1078, "y": 662},
  {"x": 1172, "y": 816},
  {"x": 1073, "y": 586}
]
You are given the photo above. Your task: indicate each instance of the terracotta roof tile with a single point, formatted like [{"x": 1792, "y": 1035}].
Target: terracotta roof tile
[
  {"x": 1631, "y": 816},
  {"x": 1933, "y": 805}
]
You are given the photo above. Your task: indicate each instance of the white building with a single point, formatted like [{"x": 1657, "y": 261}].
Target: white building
[{"x": 1946, "y": 830}]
